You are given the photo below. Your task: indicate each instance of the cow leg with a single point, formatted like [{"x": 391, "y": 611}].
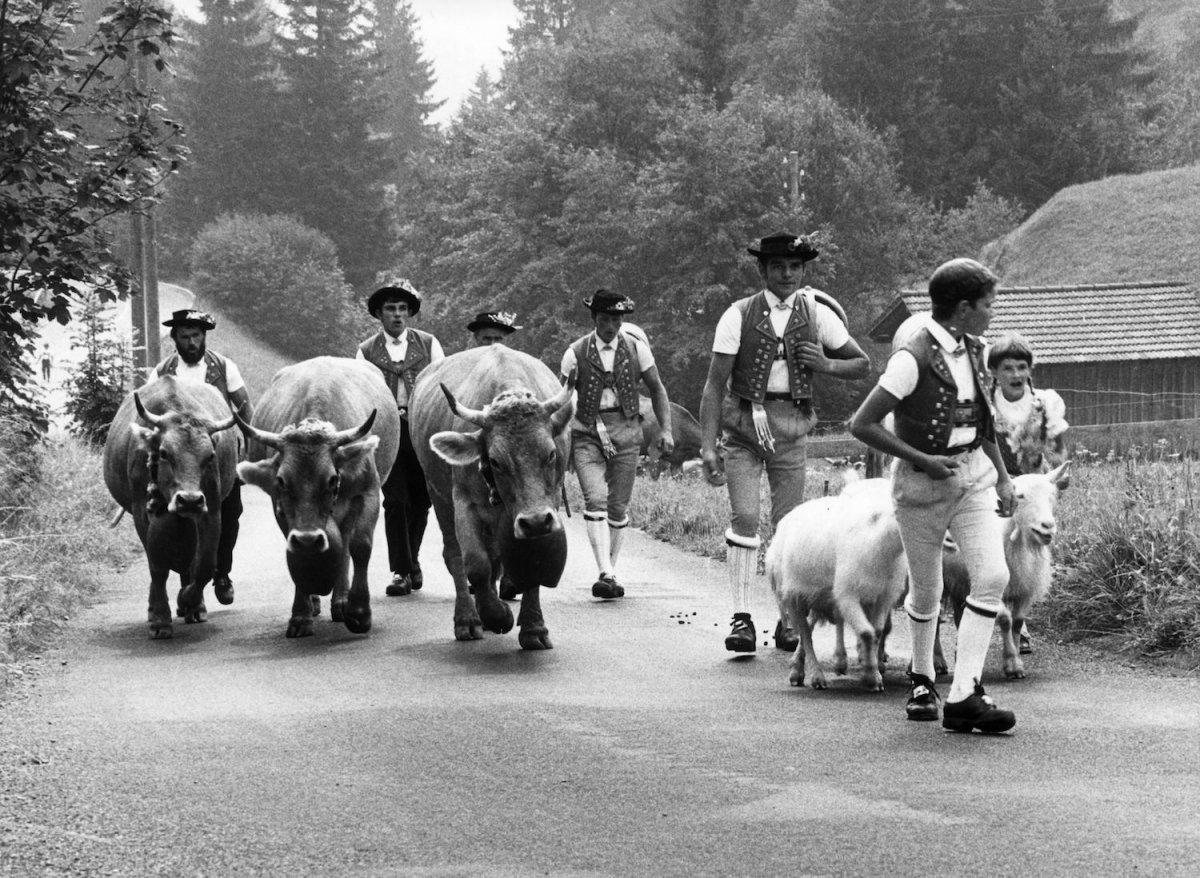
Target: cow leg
[
  {"x": 805, "y": 665},
  {"x": 533, "y": 634},
  {"x": 1014, "y": 668},
  {"x": 356, "y": 607},
  {"x": 204, "y": 563},
  {"x": 158, "y": 614},
  {"x": 301, "y": 623},
  {"x": 494, "y": 614},
  {"x": 159, "y": 540},
  {"x": 467, "y": 625}
]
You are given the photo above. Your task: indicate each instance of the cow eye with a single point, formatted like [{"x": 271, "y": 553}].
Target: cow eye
[
  {"x": 551, "y": 457},
  {"x": 164, "y": 456}
]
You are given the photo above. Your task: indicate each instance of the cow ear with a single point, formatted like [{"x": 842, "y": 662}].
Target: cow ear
[
  {"x": 145, "y": 437},
  {"x": 456, "y": 448},
  {"x": 261, "y": 473},
  {"x": 355, "y": 450}
]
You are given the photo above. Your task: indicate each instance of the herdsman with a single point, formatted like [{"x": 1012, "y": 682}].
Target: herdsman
[
  {"x": 609, "y": 364},
  {"x": 194, "y": 363},
  {"x": 759, "y": 395},
  {"x": 937, "y": 386},
  {"x": 401, "y": 351},
  {"x": 491, "y": 327}
]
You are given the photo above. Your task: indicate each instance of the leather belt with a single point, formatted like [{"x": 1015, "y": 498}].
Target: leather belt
[
  {"x": 609, "y": 411},
  {"x": 777, "y": 397},
  {"x": 954, "y": 452}
]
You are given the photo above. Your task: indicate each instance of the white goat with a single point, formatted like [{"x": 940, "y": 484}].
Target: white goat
[
  {"x": 1027, "y": 538},
  {"x": 838, "y": 559}
]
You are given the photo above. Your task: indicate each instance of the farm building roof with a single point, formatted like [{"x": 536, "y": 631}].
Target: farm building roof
[{"x": 1083, "y": 323}]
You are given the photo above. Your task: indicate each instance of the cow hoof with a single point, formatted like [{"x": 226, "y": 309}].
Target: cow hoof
[
  {"x": 471, "y": 630},
  {"x": 841, "y": 666},
  {"x": 873, "y": 682},
  {"x": 796, "y": 678},
  {"x": 300, "y": 628},
  {"x": 357, "y": 619},
  {"x": 535, "y": 638},
  {"x": 818, "y": 681},
  {"x": 196, "y": 614},
  {"x": 497, "y": 617},
  {"x": 1015, "y": 672},
  {"x": 161, "y": 631},
  {"x": 337, "y": 611}
]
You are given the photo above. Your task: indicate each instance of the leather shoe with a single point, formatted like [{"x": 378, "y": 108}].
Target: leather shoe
[
  {"x": 923, "y": 699},
  {"x": 399, "y": 586},
  {"x": 741, "y": 635},
  {"x": 785, "y": 638},
  {"x": 416, "y": 579},
  {"x": 607, "y": 587},
  {"x": 977, "y": 711},
  {"x": 223, "y": 589}
]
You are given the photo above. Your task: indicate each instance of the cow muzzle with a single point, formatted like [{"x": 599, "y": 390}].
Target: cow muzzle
[
  {"x": 188, "y": 503},
  {"x": 307, "y": 542},
  {"x": 536, "y": 524}
]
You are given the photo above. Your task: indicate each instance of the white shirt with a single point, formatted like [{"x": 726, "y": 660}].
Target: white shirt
[
  {"x": 1013, "y": 416},
  {"x": 831, "y": 332},
  {"x": 194, "y": 373},
  {"x": 397, "y": 350},
  {"x": 901, "y": 375},
  {"x": 608, "y": 354}
]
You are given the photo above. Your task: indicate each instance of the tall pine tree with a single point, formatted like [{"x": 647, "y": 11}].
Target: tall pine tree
[{"x": 403, "y": 79}]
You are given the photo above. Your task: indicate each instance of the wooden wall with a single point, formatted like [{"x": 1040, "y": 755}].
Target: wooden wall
[{"x": 1124, "y": 391}]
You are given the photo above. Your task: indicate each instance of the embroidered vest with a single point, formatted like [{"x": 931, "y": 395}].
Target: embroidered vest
[
  {"x": 592, "y": 379},
  {"x": 925, "y": 417},
  {"x": 1023, "y": 447},
  {"x": 215, "y": 371},
  {"x": 416, "y": 358},
  {"x": 759, "y": 345}
]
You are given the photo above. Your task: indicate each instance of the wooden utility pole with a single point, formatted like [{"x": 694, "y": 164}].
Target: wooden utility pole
[
  {"x": 794, "y": 177},
  {"x": 143, "y": 303},
  {"x": 137, "y": 308}
]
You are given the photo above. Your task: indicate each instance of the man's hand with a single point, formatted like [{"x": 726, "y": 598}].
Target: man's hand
[
  {"x": 813, "y": 356},
  {"x": 938, "y": 468},
  {"x": 714, "y": 467},
  {"x": 1006, "y": 503}
]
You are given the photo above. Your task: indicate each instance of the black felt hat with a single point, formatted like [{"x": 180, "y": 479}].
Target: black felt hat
[
  {"x": 505, "y": 320},
  {"x": 785, "y": 244},
  {"x": 395, "y": 288},
  {"x": 608, "y": 302},
  {"x": 191, "y": 317}
]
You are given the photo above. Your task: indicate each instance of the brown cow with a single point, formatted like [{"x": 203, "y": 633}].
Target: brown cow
[
  {"x": 496, "y": 488},
  {"x": 175, "y": 437},
  {"x": 334, "y": 430},
  {"x": 685, "y": 429}
]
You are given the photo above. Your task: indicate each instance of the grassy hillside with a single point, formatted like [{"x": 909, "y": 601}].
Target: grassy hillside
[
  {"x": 257, "y": 360},
  {"x": 1124, "y": 228}
]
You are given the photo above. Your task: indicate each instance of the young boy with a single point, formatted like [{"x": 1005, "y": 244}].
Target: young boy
[{"x": 936, "y": 385}]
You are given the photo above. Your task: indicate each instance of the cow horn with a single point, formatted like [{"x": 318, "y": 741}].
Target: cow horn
[
  {"x": 474, "y": 416},
  {"x": 560, "y": 399},
  {"x": 271, "y": 440},
  {"x": 218, "y": 426},
  {"x": 149, "y": 417},
  {"x": 345, "y": 437}
]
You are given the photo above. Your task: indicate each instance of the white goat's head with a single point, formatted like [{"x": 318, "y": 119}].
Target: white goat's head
[{"x": 1037, "y": 499}]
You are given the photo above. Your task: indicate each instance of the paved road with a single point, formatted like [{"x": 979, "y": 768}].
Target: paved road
[{"x": 636, "y": 746}]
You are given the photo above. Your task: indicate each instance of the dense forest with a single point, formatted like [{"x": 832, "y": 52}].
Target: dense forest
[{"x": 640, "y": 145}]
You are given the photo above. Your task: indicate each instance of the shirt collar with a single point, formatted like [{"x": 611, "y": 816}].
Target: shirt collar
[
  {"x": 774, "y": 301},
  {"x": 945, "y": 340},
  {"x": 399, "y": 339},
  {"x": 600, "y": 345}
]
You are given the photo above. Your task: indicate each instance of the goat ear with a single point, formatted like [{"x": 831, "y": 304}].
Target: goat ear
[{"x": 1061, "y": 475}]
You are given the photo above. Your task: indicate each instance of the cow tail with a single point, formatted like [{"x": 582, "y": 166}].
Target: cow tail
[{"x": 566, "y": 505}]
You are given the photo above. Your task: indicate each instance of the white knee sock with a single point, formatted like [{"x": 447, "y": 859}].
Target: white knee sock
[
  {"x": 974, "y": 638},
  {"x": 924, "y": 632},
  {"x": 616, "y": 536},
  {"x": 597, "y": 531},
  {"x": 741, "y": 560}
]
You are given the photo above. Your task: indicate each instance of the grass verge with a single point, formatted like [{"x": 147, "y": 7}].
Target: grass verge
[{"x": 54, "y": 547}]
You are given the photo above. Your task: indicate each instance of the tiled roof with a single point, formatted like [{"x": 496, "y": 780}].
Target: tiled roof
[{"x": 1085, "y": 323}]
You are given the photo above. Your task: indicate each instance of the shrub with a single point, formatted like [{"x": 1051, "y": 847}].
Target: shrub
[
  {"x": 277, "y": 276},
  {"x": 96, "y": 387}
]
